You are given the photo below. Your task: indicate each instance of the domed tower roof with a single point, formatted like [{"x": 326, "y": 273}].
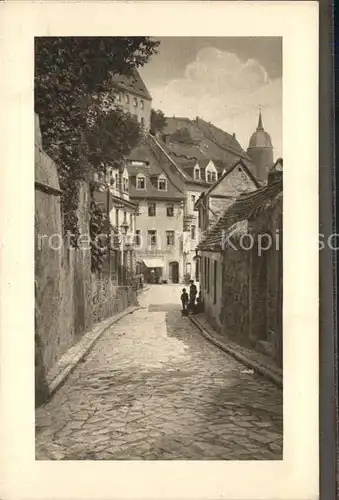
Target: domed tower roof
[{"x": 260, "y": 138}]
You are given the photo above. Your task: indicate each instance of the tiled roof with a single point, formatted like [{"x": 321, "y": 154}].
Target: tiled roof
[
  {"x": 211, "y": 139},
  {"x": 131, "y": 83},
  {"x": 176, "y": 123},
  {"x": 241, "y": 210},
  {"x": 151, "y": 170},
  {"x": 220, "y": 137},
  {"x": 185, "y": 152}
]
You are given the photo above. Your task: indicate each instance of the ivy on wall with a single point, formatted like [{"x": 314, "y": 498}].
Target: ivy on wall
[{"x": 81, "y": 129}]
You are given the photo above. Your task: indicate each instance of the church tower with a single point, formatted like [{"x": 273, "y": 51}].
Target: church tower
[{"x": 260, "y": 150}]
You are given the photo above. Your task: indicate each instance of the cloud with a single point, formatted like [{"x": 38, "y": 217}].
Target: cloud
[{"x": 220, "y": 88}]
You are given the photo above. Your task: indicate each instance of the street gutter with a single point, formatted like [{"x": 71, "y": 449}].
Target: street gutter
[{"x": 266, "y": 371}]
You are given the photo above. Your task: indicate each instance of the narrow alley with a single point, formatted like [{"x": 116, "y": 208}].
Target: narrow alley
[{"x": 153, "y": 388}]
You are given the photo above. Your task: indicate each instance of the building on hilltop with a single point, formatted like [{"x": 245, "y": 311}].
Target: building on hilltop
[
  {"x": 260, "y": 150},
  {"x": 133, "y": 97},
  {"x": 193, "y": 155},
  {"x": 206, "y": 140},
  {"x": 203, "y": 154},
  {"x": 241, "y": 268}
]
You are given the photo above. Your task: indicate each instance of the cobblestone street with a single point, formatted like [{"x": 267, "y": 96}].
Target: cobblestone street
[{"x": 153, "y": 388}]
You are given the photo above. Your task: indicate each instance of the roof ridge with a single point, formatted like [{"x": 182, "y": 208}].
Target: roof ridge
[{"x": 271, "y": 191}]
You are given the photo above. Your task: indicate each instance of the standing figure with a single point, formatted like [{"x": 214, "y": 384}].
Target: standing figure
[
  {"x": 184, "y": 299},
  {"x": 193, "y": 294}
]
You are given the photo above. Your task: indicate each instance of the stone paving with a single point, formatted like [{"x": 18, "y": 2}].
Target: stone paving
[{"x": 152, "y": 388}]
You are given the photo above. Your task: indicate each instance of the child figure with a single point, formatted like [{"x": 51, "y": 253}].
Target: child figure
[{"x": 184, "y": 299}]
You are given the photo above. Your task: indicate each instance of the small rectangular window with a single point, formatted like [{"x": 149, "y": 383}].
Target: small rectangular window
[
  {"x": 151, "y": 210},
  {"x": 192, "y": 232},
  {"x": 141, "y": 183},
  {"x": 126, "y": 98},
  {"x": 152, "y": 237},
  {"x": 117, "y": 217},
  {"x": 138, "y": 237},
  {"x": 193, "y": 200},
  {"x": 125, "y": 217},
  {"x": 141, "y": 104},
  {"x": 162, "y": 185},
  {"x": 135, "y": 102},
  {"x": 209, "y": 176},
  {"x": 119, "y": 96},
  {"x": 170, "y": 211},
  {"x": 170, "y": 237}
]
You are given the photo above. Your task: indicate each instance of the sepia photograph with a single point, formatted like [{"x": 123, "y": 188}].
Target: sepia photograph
[{"x": 158, "y": 248}]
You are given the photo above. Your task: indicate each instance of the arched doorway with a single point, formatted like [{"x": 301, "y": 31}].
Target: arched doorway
[{"x": 174, "y": 272}]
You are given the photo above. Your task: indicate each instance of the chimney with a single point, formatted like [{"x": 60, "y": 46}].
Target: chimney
[
  {"x": 275, "y": 173},
  {"x": 233, "y": 135}
]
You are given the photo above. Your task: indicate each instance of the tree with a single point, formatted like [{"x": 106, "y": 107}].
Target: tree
[
  {"x": 74, "y": 99},
  {"x": 111, "y": 138},
  {"x": 69, "y": 73},
  {"x": 158, "y": 121}
]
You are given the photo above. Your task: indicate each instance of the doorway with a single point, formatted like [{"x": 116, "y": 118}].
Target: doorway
[{"x": 174, "y": 272}]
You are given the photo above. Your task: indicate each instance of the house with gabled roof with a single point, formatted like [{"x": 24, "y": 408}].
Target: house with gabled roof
[
  {"x": 241, "y": 268},
  {"x": 219, "y": 196},
  {"x": 160, "y": 197}
]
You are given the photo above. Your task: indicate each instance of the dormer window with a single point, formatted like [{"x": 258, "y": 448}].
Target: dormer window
[
  {"x": 162, "y": 183},
  {"x": 141, "y": 182},
  {"x": 197, "y": 176},
  {"x": 210, "y": 173}
]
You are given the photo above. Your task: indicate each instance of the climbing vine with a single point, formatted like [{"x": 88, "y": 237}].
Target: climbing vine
[{"x": 80, "y": 129}]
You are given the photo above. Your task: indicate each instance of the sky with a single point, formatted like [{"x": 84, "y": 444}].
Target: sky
[{"x": 222, "y": 80}]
